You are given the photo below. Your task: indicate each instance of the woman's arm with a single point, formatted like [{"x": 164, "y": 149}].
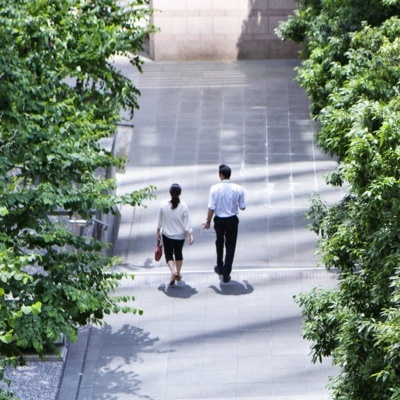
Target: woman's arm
[{"x": 159, "y": 224}]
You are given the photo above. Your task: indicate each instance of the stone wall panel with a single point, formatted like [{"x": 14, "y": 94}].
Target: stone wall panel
[{"x": 219, "y": 30}]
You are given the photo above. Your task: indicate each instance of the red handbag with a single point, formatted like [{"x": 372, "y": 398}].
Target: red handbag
[{"x": 158, "y": 251}]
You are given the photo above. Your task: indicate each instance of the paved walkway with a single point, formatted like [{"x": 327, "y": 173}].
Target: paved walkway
[{"x": 201, "y": 339}]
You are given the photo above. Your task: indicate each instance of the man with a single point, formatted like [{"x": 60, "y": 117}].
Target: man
[{"x": 225, "y": 200}]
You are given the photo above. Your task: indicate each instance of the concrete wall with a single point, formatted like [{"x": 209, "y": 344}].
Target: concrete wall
[{"x": 219, "y": 30}]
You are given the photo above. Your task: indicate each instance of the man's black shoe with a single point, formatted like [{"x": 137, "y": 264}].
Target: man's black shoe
[
  {"x": 218, "y": 270},
  {"x": 226, "y": 279}
]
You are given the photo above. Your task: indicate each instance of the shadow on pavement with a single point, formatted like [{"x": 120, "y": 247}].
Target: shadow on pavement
[
  {"x": 233, "y": 288},
  {"x": 116, "y": 379},
  {"x": 180, "y": 291}
]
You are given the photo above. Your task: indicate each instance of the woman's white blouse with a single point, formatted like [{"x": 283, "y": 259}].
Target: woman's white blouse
[{"x": 174, "y": 223}]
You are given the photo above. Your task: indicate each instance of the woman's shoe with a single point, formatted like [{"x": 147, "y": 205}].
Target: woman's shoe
[
  {"x": 178, "y": 277},
  {"x": 172, "y": 280}
]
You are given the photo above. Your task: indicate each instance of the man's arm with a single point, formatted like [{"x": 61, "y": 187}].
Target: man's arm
[
  {"x": 210, "y": 214},
  {"x": 242, "y": 201},
  {"x": 210, "y": 210}
]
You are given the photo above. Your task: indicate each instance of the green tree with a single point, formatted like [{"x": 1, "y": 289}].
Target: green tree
[
  {"x": 353, "y": 83},
  {"x": 325, "y": 27},
  {"x": 52, "y": 281}
]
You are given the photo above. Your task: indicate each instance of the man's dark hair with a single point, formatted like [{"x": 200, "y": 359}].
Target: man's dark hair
[{"x": 225, "y": 171}]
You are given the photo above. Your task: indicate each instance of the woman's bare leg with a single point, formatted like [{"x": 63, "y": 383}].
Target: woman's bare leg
[
  {"x": 178, "y": 264},
  {"x": 173, "y": 269}
]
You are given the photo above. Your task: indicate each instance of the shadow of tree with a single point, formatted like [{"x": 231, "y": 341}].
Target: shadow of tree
[{"x": 115, "y": 375}]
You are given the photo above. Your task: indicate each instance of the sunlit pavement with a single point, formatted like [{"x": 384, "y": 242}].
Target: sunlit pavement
[{"x": 202, "y": 339}]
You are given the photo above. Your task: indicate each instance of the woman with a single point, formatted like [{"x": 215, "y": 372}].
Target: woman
[{"x": 174, "y": 224}]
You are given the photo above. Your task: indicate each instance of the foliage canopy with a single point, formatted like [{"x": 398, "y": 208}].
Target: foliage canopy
[
  {"x": 59, "y": 95},
  {"x": 351, "y": 71}
]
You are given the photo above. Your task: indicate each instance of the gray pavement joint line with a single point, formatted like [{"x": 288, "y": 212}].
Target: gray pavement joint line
[
  {"x": 83, "y": 363},
  {"x": 81, "y": 371},
  {"x": 132, "y": 232},
  {"x": 148, "y": 273},
  {"x": 62, "y": 375}
]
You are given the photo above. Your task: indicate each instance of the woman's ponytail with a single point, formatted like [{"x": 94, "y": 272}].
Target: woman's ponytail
[{"x": 175, "y": 191}]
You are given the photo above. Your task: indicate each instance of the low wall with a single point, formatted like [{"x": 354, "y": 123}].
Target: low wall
[{"x": 219, "y": 30}]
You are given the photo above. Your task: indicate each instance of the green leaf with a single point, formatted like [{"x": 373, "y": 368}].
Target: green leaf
[
  {"x": 26, "y": 309},
  {"x": 7, "y": 338},
  {"x": 36, "y": 308}
]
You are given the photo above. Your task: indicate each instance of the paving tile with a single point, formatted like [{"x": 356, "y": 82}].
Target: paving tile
[
  {"x": 255, "y": 389},
  {"x": 184, "y": 377},
  {"x": 188, "y": 350},
  {"x": 248, "y": 376},
  {"x": 186, "y": 363},
  {"x": 219, "y": 377},
  {"x": 118, "y": 393},
  {"x": 84, "y": 394},
  {"x": 214, "y": 324},
  {"x": 288, "y": 375},
  {"x": 182, "y": 391},
  {"x": 260, "y": 348},
  {"x": 222, "y": 349},
  {"x": 254, "y": 362},
  {"x": 217, "y": 363},
  {"x": 221, "y": 336},
  {"x": 218, "y": 390},
  {"x": 298, "y": 361},
  {"x": 292, "y": 388}
]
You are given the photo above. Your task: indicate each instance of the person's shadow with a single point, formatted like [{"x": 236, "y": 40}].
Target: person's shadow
[
  {"x": 233, "y": 288},
  {"x": 180, "y": 291}
]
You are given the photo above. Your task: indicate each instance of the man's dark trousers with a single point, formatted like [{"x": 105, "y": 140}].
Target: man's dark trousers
[{"x": 226, "y": 230}]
